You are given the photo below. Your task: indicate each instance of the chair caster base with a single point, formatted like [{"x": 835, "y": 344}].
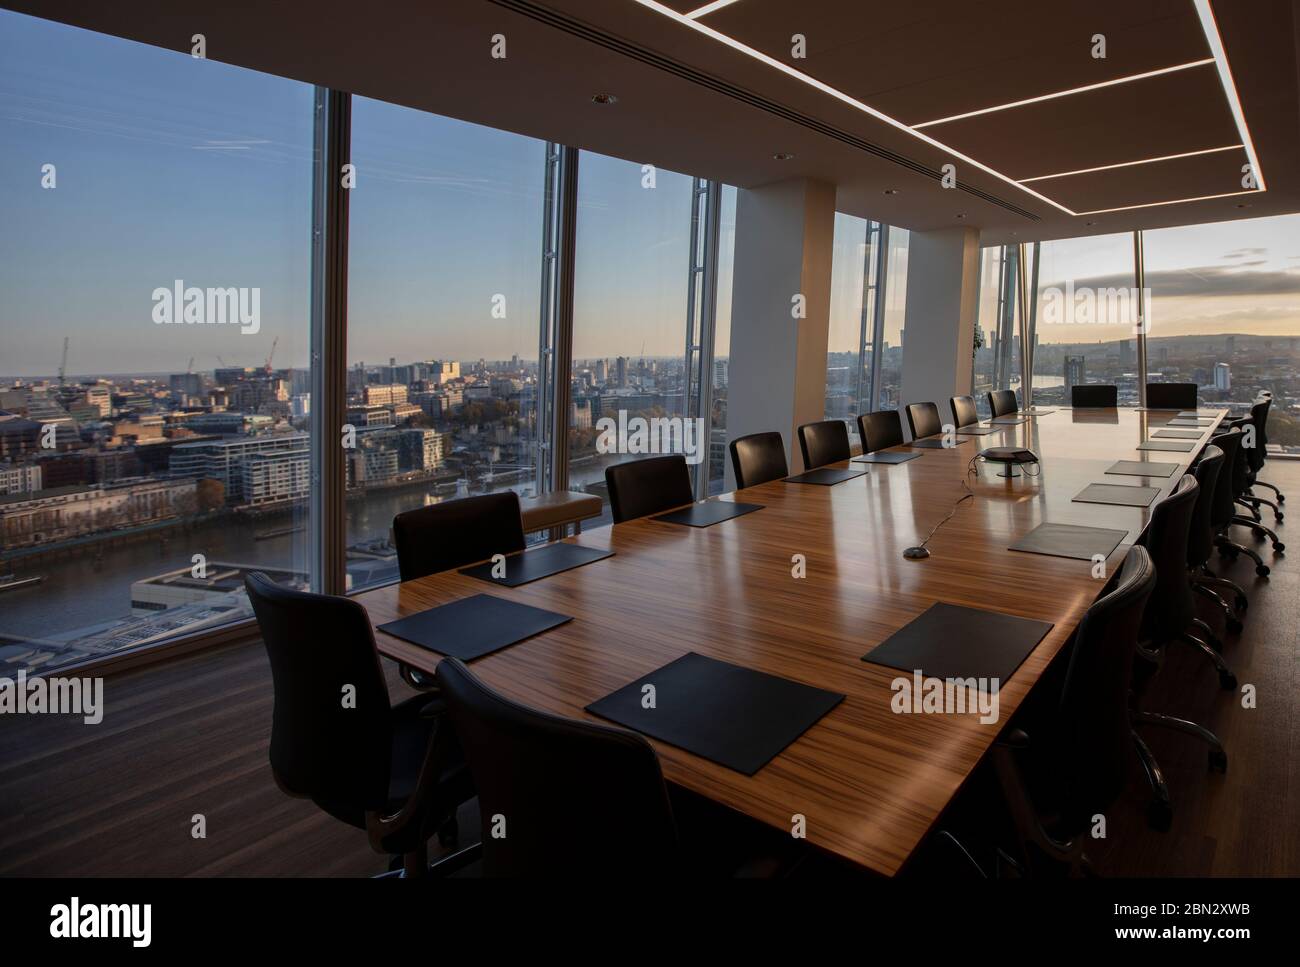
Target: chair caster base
[
  {"x": 449, "y": 834},
  {"x": 1279, "y": 548},
  {"x": 1262, "y": 570}
]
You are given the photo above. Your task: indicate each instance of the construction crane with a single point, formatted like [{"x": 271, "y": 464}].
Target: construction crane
[
  {"x": 189, "y": 368},
  {"x": 271, "y": 354},
  {"x": 63, "y": 365}
]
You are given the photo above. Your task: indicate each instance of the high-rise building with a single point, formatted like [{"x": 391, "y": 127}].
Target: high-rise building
[
  {"x": 1075, "y": 374},
  {"x": 1222, "y": 377}
]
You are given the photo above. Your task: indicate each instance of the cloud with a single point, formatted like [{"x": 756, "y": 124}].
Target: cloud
[
  {"x": 1241, "y": 253},
  {"x": 1204, "y": 281}
]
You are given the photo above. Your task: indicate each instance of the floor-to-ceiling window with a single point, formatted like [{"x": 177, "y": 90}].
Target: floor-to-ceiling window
[
  {"x": 631, "y": 281},
  {"x": 1225, "y": 314},
  {"x": 718, "y": 455},
  {"x": 444, "y": 277},
  {"x": 154, "y": 404}
]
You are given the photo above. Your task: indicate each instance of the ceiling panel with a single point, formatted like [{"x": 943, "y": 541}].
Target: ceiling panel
[{"x": 1206, "y": 174}]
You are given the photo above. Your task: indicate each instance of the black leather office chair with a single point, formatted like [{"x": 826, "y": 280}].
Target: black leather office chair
[
  {"x": 394, "y": 771},
  {"x": 559, "y": 797},
  {"x": 1002, "y": 402},
  {"x": 1255, "y": 457},
  {"x": 1265, "y": 398},
  {"x": 1094, "y": 396},
  {"x": 641, "y": 487},
  {"x": 1242, "y": 476},
  {"x": 826, "y": 441},
  {"x": 1171, "y": 612},
  {"x": 1171, "y": 396},
  {"x": 758, "y": 458},
  {"x": 455, "y": 533},
  {"x": 1169, "y": 616},
  {"x": 1200, "y": 540},
  {"x": 1080, "y": 766},
  {"x": 880, "y": 430},
  {"x": 923, "y": 420},
  {"x": 1223, "y": 513},
  {"x": 964, "y": 412}
]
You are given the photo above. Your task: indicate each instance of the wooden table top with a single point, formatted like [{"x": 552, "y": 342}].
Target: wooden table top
[{"x": 870, "y": 782}]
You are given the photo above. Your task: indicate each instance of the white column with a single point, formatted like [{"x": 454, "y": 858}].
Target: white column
[
  {"x": 777, "y": 375},
  {"x": 943, "y": 269}
]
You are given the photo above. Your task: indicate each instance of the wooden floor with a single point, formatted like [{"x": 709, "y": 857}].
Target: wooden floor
[{"x": 190, "y": 737}]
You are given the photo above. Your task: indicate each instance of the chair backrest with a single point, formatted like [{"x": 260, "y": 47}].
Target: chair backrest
[
  {"x": 964, "y": 412},
  {"x": 823, "y": 442},
  {"x": 880, "y": 430},
  {"x": 1171, "y": 608},
  {"x": 1258, "y": 419},
  {"x": 1096, "y": 395},
  {"x": 641, "y": 487},
  {"x": 923, "y": 420},
  {"x": 1241, "y": 471},
  {"x": 1171, "y": 396},
  {"x": 758, "y": 458},
  {"x": 457, "y": 532},
  {"x": 1097, "y": 745},
  {"x": 1200, "y": 539},
  {"x": 321, "y": 650},
  {"x": 1002, "y": 402},
  {"x": 1222, "y": 507},
  {"x": 577, "y": 798}
]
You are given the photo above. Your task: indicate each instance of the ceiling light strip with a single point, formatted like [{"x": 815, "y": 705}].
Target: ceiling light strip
[
  {"x": 708, "y": 8},
  {"x": 1175, "y": 201},
  {"x": 1129, "y": 164},
  {"x": 1066, "y": 93},
  {"x": 1212, "y": 37},
  {"x": 840, "y": 96}
]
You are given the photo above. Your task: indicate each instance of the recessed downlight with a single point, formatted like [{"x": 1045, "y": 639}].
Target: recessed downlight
[
  {"x": 604, "y": 99},
  {"x": 782, "y": 156},
  {"x": 891, "y": 191}
]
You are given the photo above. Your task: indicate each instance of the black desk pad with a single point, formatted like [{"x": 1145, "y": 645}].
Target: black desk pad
[
  {"x": 1176, "y": 434},
  {"x": 473, "y": 627},
  {"x": 1121, "y": 495},
  {"x": 978, "y": 430},
  {"x": 1069, "y": 540},
  {"x": 826, "y": 476},
  {"x": 928, "y": 444},
  {"x": 886, "y": 456},
  {"x": 1143, "y": 468},
  {"x": 949, "y": 641},
  {"x": 539, "y": 563},
  {"x": 1198, "y": 414},
  {"x": 1038, "y": 411},
  {"x": 1177, "y": 446},
  {"x": 1009, "y": 420},
  {"x": 708, "y": 513},
  {"x": 1191, "y": 424},
  {"x": 734, "y": 716}
]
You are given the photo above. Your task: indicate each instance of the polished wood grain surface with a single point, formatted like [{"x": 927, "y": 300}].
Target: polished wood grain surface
[{"x": 871, "y": 783}]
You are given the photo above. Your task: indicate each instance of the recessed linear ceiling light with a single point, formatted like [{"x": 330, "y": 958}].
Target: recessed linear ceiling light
[
  {"x": 1067, "y": 93},
  {"x": 1207, "y": 25},
  {"x": 1229, "y": 86},
  {"x": 709, "y": 8},
  {"x": 1129, "y": 164}
]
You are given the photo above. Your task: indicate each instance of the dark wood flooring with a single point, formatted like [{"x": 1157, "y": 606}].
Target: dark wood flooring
[{"x": 190, "y": 737}]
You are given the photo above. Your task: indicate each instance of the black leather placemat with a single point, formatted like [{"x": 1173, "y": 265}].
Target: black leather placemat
[
  {"x": 539, "y": 563},
  {"x": 949, "y": 641},
  {"x": 1038, "y": 411},
  {"x": 825, "y": 476},
  {"x": 1120, "y": 495},
  {"x": 1008, "y": 420},
  {"x": 1176, "y": 434},
  {"x": 1175, "y": 446},
  {"x": 1198, "y": 414},
  {"x": 734, "y": 716},
  {"x": 978, "y": 430},
  {"x": 708, "y": 513},
  {"x": 930, "y": 444},
  {"x": 473, "y": 627},
  {"x": 1143, "y": 468},
  {"x": 1069, "y": 540},
  {"x": 886, "y": 456}
]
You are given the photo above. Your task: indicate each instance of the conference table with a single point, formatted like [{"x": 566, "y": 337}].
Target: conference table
[{"x": 870, "y": 783}]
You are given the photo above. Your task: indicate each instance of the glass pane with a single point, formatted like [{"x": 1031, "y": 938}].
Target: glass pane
[
  {"x": 852, "y": 294},
  {"x": 629, "y": 327},
  {"x": 1225, "y": 314},
  {"x": 722, "y": 341},
  {"x": 1086, "y": 318},
  {"x": 444, "y": 255},
  {"x": 889, "y": 391},
  {"x": 154, "y": 399}
]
